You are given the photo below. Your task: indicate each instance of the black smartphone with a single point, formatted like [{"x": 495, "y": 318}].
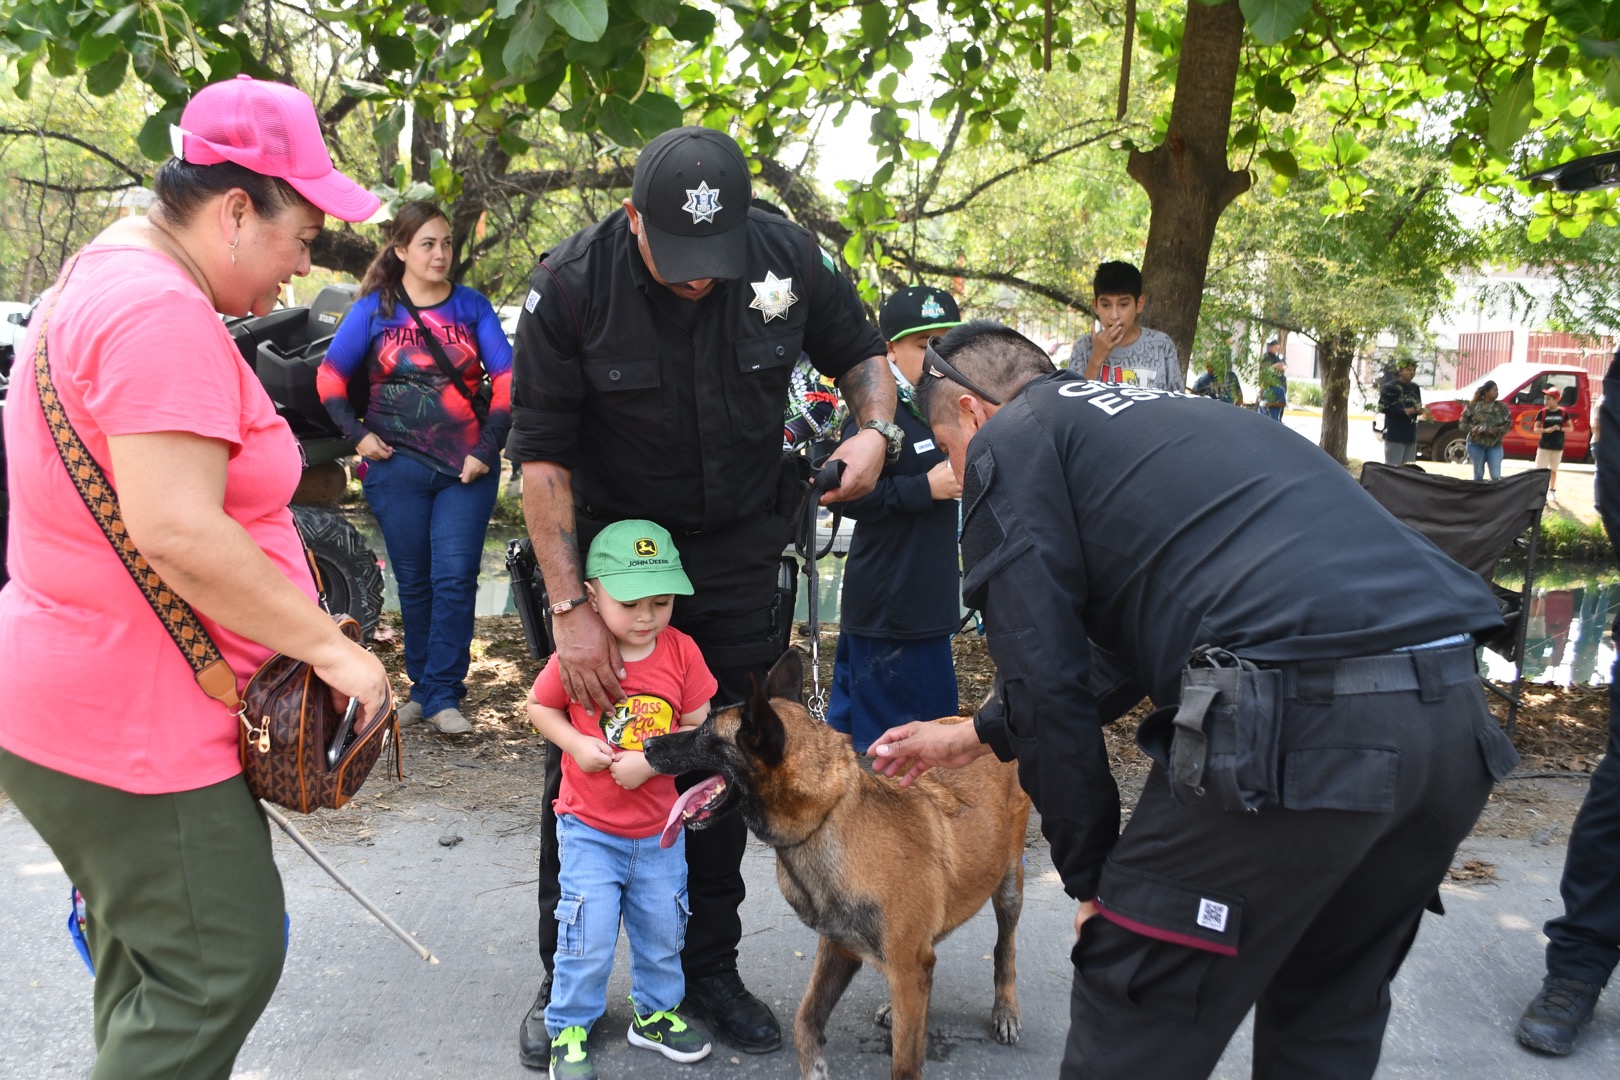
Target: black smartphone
[{"x": 334, "y": 753}]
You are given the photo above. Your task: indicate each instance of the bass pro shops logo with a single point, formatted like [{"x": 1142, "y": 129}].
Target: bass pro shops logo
[{"x": 646, "y": 548}]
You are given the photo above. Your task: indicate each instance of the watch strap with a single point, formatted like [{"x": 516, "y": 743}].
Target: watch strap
[{"x": 565, "y": 606}]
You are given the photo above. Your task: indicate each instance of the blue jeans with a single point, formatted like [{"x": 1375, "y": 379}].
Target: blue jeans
[
  {"x": 1482, "y": 456},
  {"x": 433, "y": 526},
  {"x": 605, "y": 878}
]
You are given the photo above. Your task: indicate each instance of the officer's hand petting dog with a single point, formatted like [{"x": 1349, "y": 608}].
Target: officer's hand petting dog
[{"x": 912, "y": 749}]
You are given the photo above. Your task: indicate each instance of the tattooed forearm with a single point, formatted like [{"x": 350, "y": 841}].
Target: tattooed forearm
[
  {"x": 868, "y": 389},
  {"x": 548, "y": 512}
]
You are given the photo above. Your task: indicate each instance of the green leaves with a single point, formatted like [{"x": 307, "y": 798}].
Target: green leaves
[
  {"x": 1270, "y": 21},
  {"x": 630, "y": 123},
  {"x": 585, "y": 20},
  {"x": 1513, "y": 109}
]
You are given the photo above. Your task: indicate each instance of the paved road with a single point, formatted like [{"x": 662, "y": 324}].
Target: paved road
[{"x": 355, "y": 1003}]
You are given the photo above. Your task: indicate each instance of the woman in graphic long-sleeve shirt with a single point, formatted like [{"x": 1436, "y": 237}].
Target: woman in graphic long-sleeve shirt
[{"x": 432, "y": 441}]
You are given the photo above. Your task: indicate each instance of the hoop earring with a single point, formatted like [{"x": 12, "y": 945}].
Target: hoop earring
[{"x": 232, "y": 246}]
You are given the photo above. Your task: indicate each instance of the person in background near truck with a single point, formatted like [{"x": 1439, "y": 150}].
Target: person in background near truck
[
  {"x": 901, "y": 586},
  {"x": 1485, "y": 420},
  {"x": 1274, "y": 377},
  {"x": 111, "y": 749},
  {"x": 432, "y": 444},
  {"x": 1550, "y": 423},
  {"x": 1401, "y": 401},
  {"x": 1121, "y": 351}
]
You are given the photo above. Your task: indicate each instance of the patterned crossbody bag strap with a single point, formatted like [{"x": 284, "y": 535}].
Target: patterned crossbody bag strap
[{"x": 213, "y": 674}]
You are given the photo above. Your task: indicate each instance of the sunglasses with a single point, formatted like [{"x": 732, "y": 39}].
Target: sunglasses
[{"x": 940, "y": 368}]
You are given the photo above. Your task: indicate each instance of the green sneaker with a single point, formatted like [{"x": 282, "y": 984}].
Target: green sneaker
[
  {"x": 569, "y": 1060},
  {"x": 668, "y": 1033}
]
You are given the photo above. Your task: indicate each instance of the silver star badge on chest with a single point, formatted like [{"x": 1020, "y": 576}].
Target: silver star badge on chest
[
  {"x": 773, "y": 296},
  {"x": 702, "y": 202}
]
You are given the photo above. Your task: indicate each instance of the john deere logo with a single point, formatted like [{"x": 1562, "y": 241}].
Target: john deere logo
[{"x": 646, "y": 548}]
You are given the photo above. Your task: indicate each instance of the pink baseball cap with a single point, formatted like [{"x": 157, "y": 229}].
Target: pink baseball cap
[{"x": 271, "y": 128}]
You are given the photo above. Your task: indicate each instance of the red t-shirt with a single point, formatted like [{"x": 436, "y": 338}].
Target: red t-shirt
[{"x": 668, "y": 683}]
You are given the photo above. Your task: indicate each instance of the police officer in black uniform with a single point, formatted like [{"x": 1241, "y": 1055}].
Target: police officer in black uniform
[
  {"x": 650, "y": 376},
  {"x": 1325, "y": 745},
  {"x": 1583, "y": 944}
]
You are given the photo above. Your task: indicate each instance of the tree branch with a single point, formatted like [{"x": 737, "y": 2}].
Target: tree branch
[
  {"x": 46, "y": 133},
  {"x": 68, "y": 189},
  {"x": 1001, "y": 277},
  {"x": 1023, "y": 167}
]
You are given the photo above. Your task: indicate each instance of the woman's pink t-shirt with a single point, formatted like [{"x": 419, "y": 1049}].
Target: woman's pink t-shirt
[{"x": 92, "y": 683}]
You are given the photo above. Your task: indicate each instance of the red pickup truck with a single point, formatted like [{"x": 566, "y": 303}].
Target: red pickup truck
[{"x": 1523, "y": 388}]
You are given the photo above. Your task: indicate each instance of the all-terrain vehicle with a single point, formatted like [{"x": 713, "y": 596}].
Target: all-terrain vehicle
[{"x": 285, "y": 348}]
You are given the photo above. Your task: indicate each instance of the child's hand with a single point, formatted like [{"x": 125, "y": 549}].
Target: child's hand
[
  {"x": 630, "y": 769},
  {"x": 591, "y": 755}
]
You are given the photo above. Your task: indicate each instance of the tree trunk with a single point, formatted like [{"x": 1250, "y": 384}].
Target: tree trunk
[
  {"x": 1338, "y": 352},
  {"x": 1186, "y": 178}
]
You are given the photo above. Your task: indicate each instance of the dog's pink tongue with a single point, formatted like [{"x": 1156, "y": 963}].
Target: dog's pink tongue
[{"x": 673, "y": 826}]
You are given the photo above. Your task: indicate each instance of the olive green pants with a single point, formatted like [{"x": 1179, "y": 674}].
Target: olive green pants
[{"x": 184, "y": 915}]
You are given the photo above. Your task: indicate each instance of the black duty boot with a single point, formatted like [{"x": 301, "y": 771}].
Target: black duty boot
[
  {"x": 1554, "y": 1018},
  {"x": 737, "y": 1018},
  {"x": 534, "y": 1045}
]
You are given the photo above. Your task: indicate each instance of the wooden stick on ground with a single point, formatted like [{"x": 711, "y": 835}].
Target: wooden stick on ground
[{"x": 298, "y": 838}]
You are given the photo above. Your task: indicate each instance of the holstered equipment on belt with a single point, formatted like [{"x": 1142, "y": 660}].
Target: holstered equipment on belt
[{"x": 1227, "y": 731}]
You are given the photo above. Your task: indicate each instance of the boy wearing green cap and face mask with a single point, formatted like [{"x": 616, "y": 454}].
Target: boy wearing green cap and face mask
[{"x": 613, "y": 807}]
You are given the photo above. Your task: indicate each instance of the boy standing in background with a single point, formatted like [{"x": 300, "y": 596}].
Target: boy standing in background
[{"x": 1121, "y": 351}]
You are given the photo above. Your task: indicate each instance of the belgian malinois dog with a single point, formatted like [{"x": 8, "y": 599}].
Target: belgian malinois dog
[{"x": 881, "y": 872}]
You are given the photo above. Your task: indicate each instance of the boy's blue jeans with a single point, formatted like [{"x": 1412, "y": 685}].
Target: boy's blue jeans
[
  {"x": 433, "y": 526},
  {"x": 605, "y": 878}
]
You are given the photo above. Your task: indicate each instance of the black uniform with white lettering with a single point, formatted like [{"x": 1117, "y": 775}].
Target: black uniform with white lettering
[
  {"x": 671, "y": 409},
  {"x": 1295, "y": 822}
]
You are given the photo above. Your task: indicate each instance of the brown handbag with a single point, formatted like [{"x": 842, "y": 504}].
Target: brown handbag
[{"x": 289, "y": 723}]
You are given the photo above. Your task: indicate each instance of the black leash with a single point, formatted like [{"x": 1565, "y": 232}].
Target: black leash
[{"x": 826, "y": 479}]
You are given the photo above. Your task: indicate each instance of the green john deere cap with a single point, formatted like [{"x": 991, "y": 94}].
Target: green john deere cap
[{"x": 634, "y": 559}]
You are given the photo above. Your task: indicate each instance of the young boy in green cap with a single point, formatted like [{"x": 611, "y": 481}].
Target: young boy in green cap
[
  {"x": 613, "y": 807},
  {"x": 900, "y": 600}
]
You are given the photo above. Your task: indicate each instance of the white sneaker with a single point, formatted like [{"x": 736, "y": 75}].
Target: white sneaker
[
  {"x": 450, "y": 721},
  {"x": 410, "y": 713}
]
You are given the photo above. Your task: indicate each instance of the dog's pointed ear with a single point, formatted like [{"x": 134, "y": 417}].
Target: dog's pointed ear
[
  {"x": 762, "y": 733},
  {"x": 786, "y": 678}
]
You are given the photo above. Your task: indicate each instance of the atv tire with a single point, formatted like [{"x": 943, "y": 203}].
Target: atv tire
[{"x": 349, "y": 572}]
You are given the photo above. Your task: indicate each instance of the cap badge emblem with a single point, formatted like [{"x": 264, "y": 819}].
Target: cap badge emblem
[
  {"x": 702, "y": 202},
  {"x": 931, "y": 309},
  {"x": 646, "y": 548},
  {"x": 773, "y": 296}
]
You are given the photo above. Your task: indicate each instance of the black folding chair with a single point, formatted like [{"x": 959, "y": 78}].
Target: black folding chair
[{"x": 1475, "y": 522}]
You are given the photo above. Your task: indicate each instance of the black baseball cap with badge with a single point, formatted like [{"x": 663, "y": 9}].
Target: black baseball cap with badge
[
  {"x": 634, "y": 559},
  {"x": 692, "y": 190},
  {"x": 915, "y": 309}
]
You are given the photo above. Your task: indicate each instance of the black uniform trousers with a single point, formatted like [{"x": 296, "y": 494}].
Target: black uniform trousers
[
  {"x": 734, "y": 576},
  {"x": 1584, "y": 942},
  {"x": 1320, "y": 904}
]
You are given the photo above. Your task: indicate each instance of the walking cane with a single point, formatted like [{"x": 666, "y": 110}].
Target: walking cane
[
  {"x": 298, "y": 838},
  {"x": 829, "y": 477}
]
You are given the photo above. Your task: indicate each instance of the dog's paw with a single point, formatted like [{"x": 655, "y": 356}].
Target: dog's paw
[
  {"x": 1007, "y": 1025},
  {"x": 817, "y": 1070},
  {"x": 884, "y": 1016}
]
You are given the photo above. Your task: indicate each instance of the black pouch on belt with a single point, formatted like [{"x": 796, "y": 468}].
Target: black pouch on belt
[{"x": 1226, "y": 731}]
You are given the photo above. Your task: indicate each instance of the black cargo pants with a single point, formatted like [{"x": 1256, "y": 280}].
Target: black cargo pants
[
  {"x": 1304, "y": 909},
  {"x": 1584, "y": 942},
  {"x": 734, "y": 579}
]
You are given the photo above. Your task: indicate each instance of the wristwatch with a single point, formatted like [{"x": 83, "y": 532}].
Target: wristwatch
[
  {"x": 892, "y": 434},
  {"x": 566, "y": 606}
]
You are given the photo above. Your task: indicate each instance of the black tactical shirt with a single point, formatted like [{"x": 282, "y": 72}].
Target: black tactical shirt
[
  {"x": 1091, "y": 510},
  {"x": 667, "y": 408}
]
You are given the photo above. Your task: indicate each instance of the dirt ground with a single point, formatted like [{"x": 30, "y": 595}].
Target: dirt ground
[{"x": 1561, "y": 736}]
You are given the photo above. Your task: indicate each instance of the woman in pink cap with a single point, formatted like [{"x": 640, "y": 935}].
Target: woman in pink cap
[{"x": 107, "y": 745}]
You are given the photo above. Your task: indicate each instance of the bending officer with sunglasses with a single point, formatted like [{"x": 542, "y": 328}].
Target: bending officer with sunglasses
[{"x": 1316, "y": 759}]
